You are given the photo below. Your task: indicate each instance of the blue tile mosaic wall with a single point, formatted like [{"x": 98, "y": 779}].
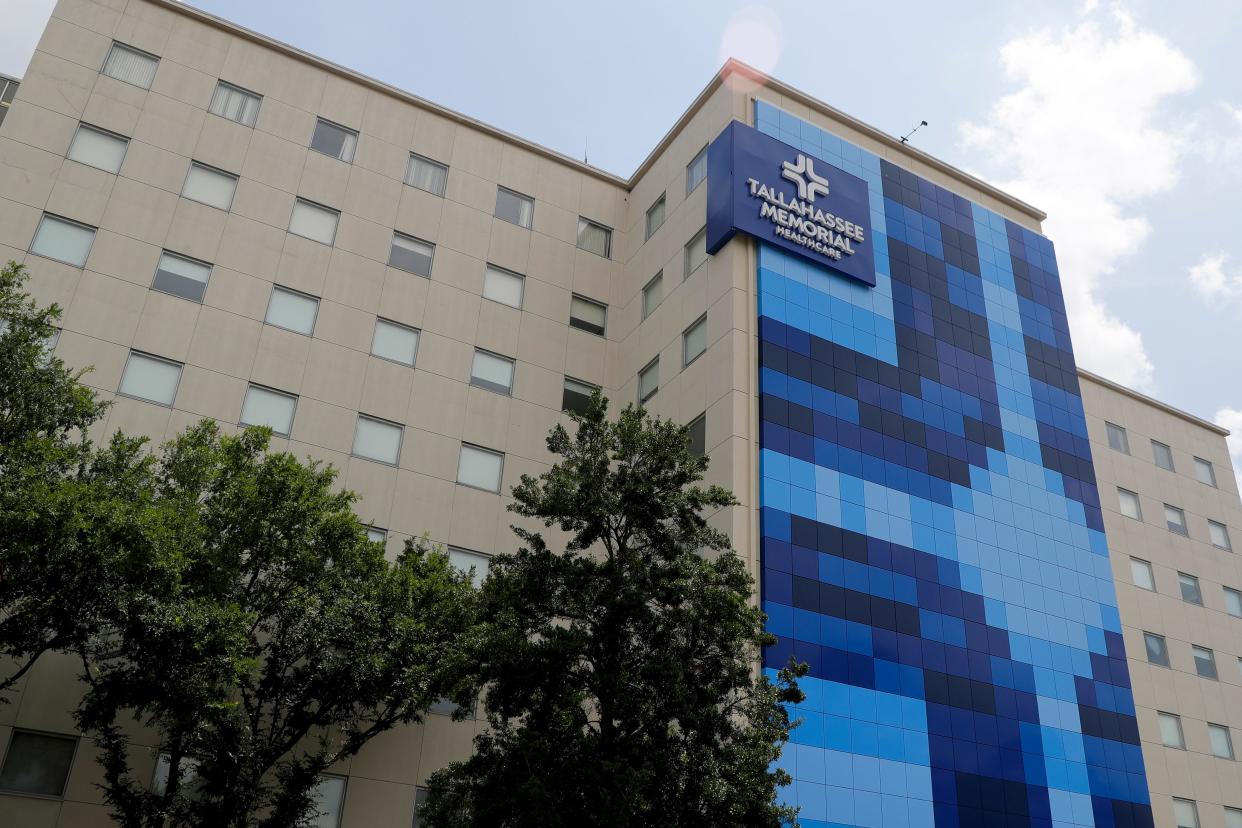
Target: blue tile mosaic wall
[{"x": 932, "y": 539}]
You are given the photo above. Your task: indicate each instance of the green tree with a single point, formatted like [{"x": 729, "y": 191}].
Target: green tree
[
  {"x": 278, "y": 641},
  {"x": 620, "y": 672}
]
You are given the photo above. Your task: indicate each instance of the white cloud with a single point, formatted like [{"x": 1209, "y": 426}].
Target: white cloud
[
  {"x": 1083, "y": 138},
  {"x": 1231, "y": 418},
  {"x": 1213, "y": 282},
  {"x": 24, "y": 21}
]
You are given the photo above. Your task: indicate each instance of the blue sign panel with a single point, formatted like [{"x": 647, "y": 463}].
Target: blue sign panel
[{"x": 778, "y": 194}]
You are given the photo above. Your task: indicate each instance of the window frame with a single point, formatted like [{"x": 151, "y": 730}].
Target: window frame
[
  {"x": 64, "y": 220},
  {"x": 504, "y": 271},
  {"x": 418, "y": 336},
  {"x": 282, "y": 289},
  {"x": 583, "y": 324},
  {"x": 1211, "y": 470},
  {"x": 319, "y": 119},
  {"x": 649, "y": 229},
  {"x": 156, "y": 358},
  {"x": 340, "y": 807},
  {"x": 1194, "y": 813},
  {"x": 270, "y": 390},
  {"x": 221, "y": 82},
  {"x": 500, "y": 477},
  {"x": 409, "y": 166},
  {"x": 1156, "y": 447},
  {"x": 1224, "y": 530},
  {"x": 487, "y": 385},
  {"x": 336, "y": 228},
  {"x": 135, "y": 50},
  {"x": 107, "y": 133},
  {"x": 686, "y": 359},
  {"x": 1161, "y": 717},
  {"x": 1111, "y": 430},
  {"x": 450, "y": 549},
  {"x": 1179, "y": 528},
  {"x": 607, "y": 254},
  {"x": 396, "y": 462},
  {"x": 1148, "y": 568},
  {"x": 654, "y": 363},
  {"x": 1164, "y": 649},
  {"x": 431, "y": 257},
  {"x": 701, "y": 154},
  {"x": 644, "y": 310},
  {"x": 1230, "y": 755},
  {"x": 687, "y": 271},
  {"x": 1138, "y": 504},
  {"x": 155, "y": 276},
  {"x": 1194, "y": 654},
  {"x": 1183, "y": 578},
  {"x": 232, "y": 197},
  {"x": 73, "y": 758},
  {"x": 521, "y": 197},
  {"x": 702, "y": 418},
  {"x": 565, "y": 390}
]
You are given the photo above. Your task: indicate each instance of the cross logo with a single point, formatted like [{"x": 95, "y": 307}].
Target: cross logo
[{"x": 803, "y": 174}]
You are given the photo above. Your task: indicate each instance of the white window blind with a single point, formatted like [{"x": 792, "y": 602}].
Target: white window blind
[
  {"x": 64, "y": 240},
  {"x": 98, "y": 148},
  {"x": 377, "y": 440},
  {"x": 291, "y": 310},
  {"x": 492, "y": 372},
  {"x": 655, "y": 216},
  {"x": 235, "y": 103},
  {"x": 149, "y": 378},
  {"x": 265, "y": 407},
  {"x": 425, "y": 174},
  {"x": 594, "y": 238},
  {"x": 653, "y": 294},
  {"x": 695, "y": 341},
  {"x": 587, "y": 315},
  {"x": 212, "y": 187},
  {"x": 395, "y": 342},
  {"x": 475, "y": 563},
  {"x": 696, "y": 171},
  {"x": 480, "y": 468},
  {"x": 649, "y": 380},
  {"x": 131, "y": 65},
  {"x": 696, "y": 251},
  {"x": 314, "y": 221},
  {"x": 503, "y": 286}
]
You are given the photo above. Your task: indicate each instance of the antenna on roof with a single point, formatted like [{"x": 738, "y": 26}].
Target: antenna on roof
[
  {"x": 586, "y": 148},
  {"x": 905, "y": 139}
]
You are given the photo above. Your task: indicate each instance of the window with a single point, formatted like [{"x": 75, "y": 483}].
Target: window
[
  {"x": 1233, "y": 818},
  {"x": 492, "y": 371},
  {"x": 328, "y": 796},
  {"x": 696, "y": 171},
  {"x": 1141, "y": 574},
  {"x": 1157, "y": 649},
  {"x": 474, "y": 564},
  {"x": 209, "y": 186},
  {"x": 1190, "y": 588},
  {"x": 1204, "y": 472},
  {"x": 98, "y": 148},
  {"x": 480, "y": 468},
  {"x": 376, "y": 439},
  {"x": 1117, "y": 439},
  {"x": 1220, "y": 535},
  {"x": 394, "y": 342},
  {"x": 37, "y": 763},
  {"x": 594, "y": 238},
  {"x": 1175, "y": 518},
  {"x": 8, "y": 90},
  {"x": 696, "y": 252},
  {"x": 235, "y": 103},
  {"x": 1171, "y": 730},
  {"x": 292, "y": 311},
  {"x": 377, "y": 535},
  {"x": 335, "y": 140},
  {"x": 1130, "y": 504},
  {"x": 694, "y": 341},
  {"x": 503, "y": 286},
  {"x": 125, "y": 63},
  {"x": 655, "y": 216},
  {"x": 697, "y": 432},
  {"x": 63, "y": 240},
  {"x": 587, "y": 315},
  {"x": 1205, "y": 661},
  {"x": 163, "y": 764},
  {"x": 425, "y": 174},
  {"x": 411, "y": 255},
  {"x": 1222, "y": 744},
  {"x": 420, "y": 796},
  {"x": 314, "y": 221},
  {"x": 514, "y": 208},
  {"x": 1233, "y": 602},
  {"x": 448, "y": 707},
  {"x": 1185, "y": 814},
  {"x": 577, "y": 396},
  {"x": 150, "y": 378},
  {"x": 653, "y": 294},
  {"x": 649, "y": 380},
  {"x": 265, "y": 407},
  {"x": 1162, "y": 454},
  {"x": 181, "y": 276}
]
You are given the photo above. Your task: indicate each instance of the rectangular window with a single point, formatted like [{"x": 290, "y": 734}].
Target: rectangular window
[
  {"x": 503, "y": 286},
  {"x": 329, "y": 797},
  {"x": 1205, "y": 661},
  {"x": 235, "y": 103},
  {"x": 209, "y": 186},
  {"x": 1222, "y": 743},
  {"x": 125, "y": 63},
  {"x": 1233, "y": 818},
  {"x": 63, "y": 240},
  {"x": 420, "y": 797},
  {"x": 395, "y": 342},
  {"x": 1185, "y": 814},
  {"x": 655, "y": 216},
  {"x": 376, "y": 439},
  {"x": 649, "y": 381},
  {"x": 377, "y": 535},
  {"x": 1171, "y": 730},
  {"x": 334, "y": 140},
  {"x": 653, "y": 294},
  {"x": 1157, "y": 649},
  {"x": 1189, "y": 584},
  {"x": 1220, "y": 535},
  {"x": 314, "y": 221},
  {"x": 468, "y": 562},
  {"x": 181, "y": 276},
  {"x": 1129, "y": 504},
  {"x": 411, "y": 255},
  {"x": 697, "y": 432},
  {"x": 594, "y": 238},
  {"x": 98, "y": 148},
  {"x": 1233, "y": 602},
  {"x": 1117, "y": 439},
  {"x": 163, "y": 765},
  {"x": 577, "y": 396},
  {"x": 1175, "y": 518},
  {"x": 587, "y": 315},
  {"x": 492, "y": 371},
  {"x": 425, "y": 174},
  {"x": 265, "y": 407},
  {"x": 514, "y": 208},
  {"x": 696, "y": 252},
  {"x": 1204, "y": 472},
  {"x": 696, "y": 171},
  {"x": 694, "y": 341},
  {"x": 37, "y": 763},
  {"x": 292, "y": 311},
  {"x": 150, "y": 378},
  {"x": 1141, "y": 574},
  {"x": 479, "y": 467},
  {"x": 1162, "y": 454}
]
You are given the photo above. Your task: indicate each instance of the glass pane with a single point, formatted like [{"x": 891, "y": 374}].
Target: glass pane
[
  {"x": 463, "y": 560},
  {"x": 377, "y": 440},
  {"x": 211, "y": 187},
  {"x": 182, "y": 277},
  {"x": 697, "y": 431},
  {"x": 420, "y": 796},
  {"x": 235, "y": 103},
  {"x": 695, "y": 341},
  {"x": 37, "y": 763},
  {"x": 1140, "y": 574},
  {"x": 395, "y": 342},
  {"x": 492, "y": 372},
  {"x": 264, "y": 407},
  {"x": 1157, "y": 653},
  {"x": 97, "y": 148},
  {"x": 577, "y": 396},
  {"x": 130, "y": 65},
  {"x": 1175, "y": 519},
  {"x": 514, "y": 208},
  {"x": 1205, "y": 662},
  {"x": 151, "y": 379},
  {"x": 696, "y": 171},
  {"x": 1162, "y": 455},
  {"x": 594, "y": 238},
  {"x": 376, "y": 535},
  {"x": 655, "y": 216},
  {"x": 653, "y": 293},
  {"x": 314, "y": 222},
  {"x": 1129, "y": 504},
  {"x": 480, "y": 468},
  {"x": 1117, "y": 438},
  {"x": 426, "y": 174},
  {"x": 294, "y": 311},
  {"x": 63, "y": 240},
  {"x": 503, "y": 286},
  {"x": 1204, "y": 472},
  {"x": 411, "y": 255},
  {"x": 1190, "y": 588},
  {"x": 1233, "y": 601},
  {"x": 189, "y": 772},
  {"x": 696, "y": 252},
  {"x": 1222, "y": 744},
  {"x": 648, "y": 381},
  {"x": 587, "y": 315},
  {"x": 1233, "y": 818},
  {"x": 329, "y": 796},
  {"x": 1171, "y": 731},
  {"x": 334, "y": 140},
  {"x": 1185, "y": 814},
  {"x": 1220, "y": 535}
]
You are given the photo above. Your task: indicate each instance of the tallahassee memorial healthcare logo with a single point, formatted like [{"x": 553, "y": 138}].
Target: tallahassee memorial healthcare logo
[{"x": 767, "y": 189}]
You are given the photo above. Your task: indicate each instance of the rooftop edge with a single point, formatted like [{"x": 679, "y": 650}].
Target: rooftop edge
[{"x": 1143, "y": 398}]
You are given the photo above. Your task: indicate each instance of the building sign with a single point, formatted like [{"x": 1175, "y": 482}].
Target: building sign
[{"x": 769, "y": 190}]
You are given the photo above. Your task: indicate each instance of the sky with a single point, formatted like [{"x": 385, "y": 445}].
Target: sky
[{"x": 1122, "y": 121}]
